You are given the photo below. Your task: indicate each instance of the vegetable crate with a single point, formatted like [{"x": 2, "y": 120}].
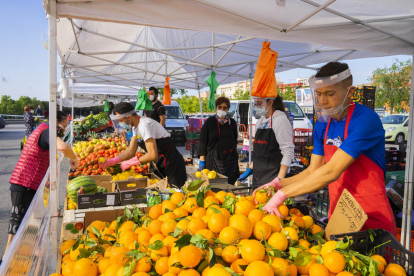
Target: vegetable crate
[
  {"x": 365, "y": 96},
  {"x": 322, "y": 202},
  {"x": 307, "y": 211},
  {"x": 391, "y": 249},
  {"x": 132, "y": 191}
]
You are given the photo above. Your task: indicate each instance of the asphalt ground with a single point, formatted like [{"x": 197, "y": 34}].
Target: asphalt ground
[{"x": 10, "y": 138}]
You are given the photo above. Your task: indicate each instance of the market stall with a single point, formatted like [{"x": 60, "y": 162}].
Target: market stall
[{"x": 135, "y": 55}]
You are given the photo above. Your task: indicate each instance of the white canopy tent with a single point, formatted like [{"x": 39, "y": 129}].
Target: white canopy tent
[{"x": 302, "y": 31}]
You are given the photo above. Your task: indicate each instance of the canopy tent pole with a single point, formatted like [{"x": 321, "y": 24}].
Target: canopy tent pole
[
  {"x": 199, "y": 101},
  {"x": 52, "y": 124},
  {"x": 73, "y": 112},
  {"x": 409, "y": 174},
  {"x": 250, "y": 121}
]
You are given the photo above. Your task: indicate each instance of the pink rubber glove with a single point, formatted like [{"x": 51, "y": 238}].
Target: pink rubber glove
[
  {"x": 272, "y": 207},
  {"x": 275, "y": 183},
  {"x": 129, "y": 163},
  {"x": 109, "y": 162}
]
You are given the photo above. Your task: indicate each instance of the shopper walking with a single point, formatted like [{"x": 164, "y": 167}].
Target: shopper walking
[{"x": 29, "y": 121}]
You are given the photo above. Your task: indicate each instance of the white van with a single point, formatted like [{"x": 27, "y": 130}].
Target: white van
[{"x": 239, "y": 111}]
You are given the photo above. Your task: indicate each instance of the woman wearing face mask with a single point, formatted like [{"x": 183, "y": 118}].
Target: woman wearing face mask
[
  {"x": 218, "y": 143},
  {"x": 155, "y": 140},
  {"x": 348, "y": 153},
  {"x": 29, "y": 121},
  {"x": 273, "y": 145},
  {"x": 31, "y": 169}
]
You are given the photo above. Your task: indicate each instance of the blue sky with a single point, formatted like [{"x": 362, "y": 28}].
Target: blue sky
[{"x": 24, "y": 59}]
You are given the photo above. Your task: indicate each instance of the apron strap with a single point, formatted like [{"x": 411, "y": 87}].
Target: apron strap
[{"x": 348, "y": 118}]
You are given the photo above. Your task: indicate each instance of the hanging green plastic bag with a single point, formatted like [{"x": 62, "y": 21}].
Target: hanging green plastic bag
[
  {"x": 106, "y": 108},
  {"x": 213, "y": 84},
  {"x": 143, "y": 102}
]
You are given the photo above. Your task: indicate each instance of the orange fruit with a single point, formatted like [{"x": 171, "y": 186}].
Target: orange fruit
[
  {"x": 182, "y": 225},
  {"x": 284, "y": 210},
  {"x": 155, "y": 227},
  {"x": 67, "y": 269},
  {"x": 161, "y": 266},
  {"x": 255, "y": 215},
  {"x": 174, "y": 258},
  {"x": 220, "y": 196},
  {"x": 169, "y": 243},
  {"x": 308, "y": 221},
  {"x": 279, "y": 241},
  {"x": 66, "y": 245},
  {"x": 143, "y": 265},
  {"x": 166, "y": 204},
  {"x": 213, "y": 210},
  {"x": 304, "y": 243},
  {"x": 103, "y": 265},
  {"x": 74, "y": 253},
  {"x": 127, "y": 225},
  {"x": 169, "y": 274},
  {"x": 343, "y": 273},
  {"x": 280, "y": 267},
  {"x": 225, "y": 212},
  {"x": 168, "y": 216},
  {"x": 380, "y": 265},
  {"x": 206, "y": 219},
  {"x": 168, "y": 227},
  {"x": 334, "y": 261},
  {"x": 189, "y": 272},
  {"x": 230, "y": 254},
  {"x": 290, "y": 232},
  {"x": 217, "y": 222},
  {"x": 229, "y": 234},
  {"x": 180, "y": 212},
  {"x": 318, "y": 270},
  {"x": 218, "y": 271},
  {"x": 328, "y": 247},
  {"x": 195, "y": 225},
  {"x": 259, "y": 268},
  {"x": 379, "y": 258},
  {"x": 140, "y": 274},
  {"x": 210, "y": 193},
  {"x": 304, "y": 269},
  {"x": 293, "y": 269},
  {"x": 261, "y": 230},
  {"x": 190, "y": 204},
  {"x": 112, "y": 269},
  {"x": 177, "y": 198},
  {"x": 199, "y": 212},
  {"x": 210, "y": 200},
  {"x": 316, "y": 229},
  {"x": 108, "y": 231},
  {"x": 155, "y": 255},
  {"x": 218, "y": 251},
  {"x": 235, "y": 266},
  {"x": 118, "y": 254},
  {"x": 274, "y": 222},
  {"x": 243, "y": 224},
  {"x": 252, "y": 250},
  {"x": 207, "y": 234},
  {"x": 243, "y": 207},
  {"x": 113, "y": 225},
  {"x": 261, "y": 197},
  {"x": 299, "y": 222},
  {"x": 190, "y": 256},
  {"x": 394, "y": 270},
  {"x": 97, "y": 224},
  {"x": 85, "y": 267},
  {"x": 156, "y": 237},
  {"x": 294, "y": 211},
  {"x": 127, "y": 237},
  {"x": 144, "y": 237},
  {"x": 155, "y": 211}
]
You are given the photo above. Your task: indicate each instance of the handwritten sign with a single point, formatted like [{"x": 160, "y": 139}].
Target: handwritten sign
[{"x": 347, "y": 217}]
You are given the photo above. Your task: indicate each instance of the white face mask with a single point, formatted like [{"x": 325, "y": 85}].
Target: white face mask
[
  {"x": 261, "y": 111},
  {"x": 32, "y": 111},
  {"x": 151, "y": 98},
  {"x": 337, "y": 110},
  {"x": 221, "y": 113}
]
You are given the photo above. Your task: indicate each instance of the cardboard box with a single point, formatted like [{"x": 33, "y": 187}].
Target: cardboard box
[
  {"x": 74, "y": 220},
  {"x": 243, "y": 167},
  {"x": 132, "y": 195},
  {"x": 220, "y": 179},
  {"x": 100, "y": 199},
  {"x": 348, "y": 216}
]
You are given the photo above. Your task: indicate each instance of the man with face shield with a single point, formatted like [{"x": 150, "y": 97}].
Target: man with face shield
[
  {"x": 349, "y": 151},
  {"x": 158, "y": 110},
  {"x": 154, "y": 139},
  {"x": 273, "y": 144}
]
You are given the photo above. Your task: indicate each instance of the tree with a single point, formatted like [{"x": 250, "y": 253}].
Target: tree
[
  {"x": 16, "y": 107},
  {"x": 241, "y": 95},
  {"x": 174, "y": 91},
  {"x": 393, "y": 85},
  {"x": 289, "y": 94}
]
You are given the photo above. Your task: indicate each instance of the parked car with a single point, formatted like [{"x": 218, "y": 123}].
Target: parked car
[
  {"x": 2, "y": 122},
  {"x": 396, "y": 128}
]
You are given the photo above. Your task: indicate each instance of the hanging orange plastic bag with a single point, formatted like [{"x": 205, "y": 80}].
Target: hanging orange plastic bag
[
  {"x": 264, "y": 83},
  {"x": 167, "y": 93}
]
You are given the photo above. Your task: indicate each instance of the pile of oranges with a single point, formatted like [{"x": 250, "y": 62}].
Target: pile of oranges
[{"x": 226, "y": 236}]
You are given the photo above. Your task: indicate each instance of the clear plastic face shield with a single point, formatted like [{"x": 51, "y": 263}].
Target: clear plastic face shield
[
  {"x": 119, "y": 121},
  {"x": 329, "y": 95},
  {"x": 260, "y": 106}
]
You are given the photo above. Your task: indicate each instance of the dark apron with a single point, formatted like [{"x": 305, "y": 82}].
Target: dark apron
[
  {"x": 224, "y": 153},
  {"x": 267, "y": 156},
  {"x": 170, "y": 162}
]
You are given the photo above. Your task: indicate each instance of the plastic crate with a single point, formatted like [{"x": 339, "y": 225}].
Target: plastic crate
[
  {"x": 322, "y": 203},
  {"x": 402, "y": 147},
  {"x": 307, "y": 211},
  {"x": 365, "y": 96},
  {"x": 192, "y": 135},
  {"x": 398, "y": 236},
  {"x": 189, "y": 142},
  {"x": 392, "y": 251}
]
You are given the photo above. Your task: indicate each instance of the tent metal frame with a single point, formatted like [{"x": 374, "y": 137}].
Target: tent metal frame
[{"x": 69, "y": 68}]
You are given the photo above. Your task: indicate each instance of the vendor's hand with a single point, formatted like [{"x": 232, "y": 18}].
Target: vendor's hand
[
  {"x": 275, "y": 184},
  {"x": 74, "y": 163},
  {"x": 109, "y": 162},
  {"x": 129, "y": 163},
  {"x": 202, "y": 165},
  {"x": 245, "y": 174},
  {"x": 272, "y": 206}
]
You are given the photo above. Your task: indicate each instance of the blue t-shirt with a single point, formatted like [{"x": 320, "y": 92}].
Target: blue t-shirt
[{"x": 366, "y": 136}]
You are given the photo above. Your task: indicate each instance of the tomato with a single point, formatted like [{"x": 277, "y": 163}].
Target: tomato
[
  {"x": 93, "y": 173},
  {"x": 145, "y": 167},
  {"x": 79, "y": 169},
  {"x": 106, "y": 155},
  {"x": 77, "y": 173},
  {"x": 99, "y": 170},
  {"x": 116, "y": 154},
  {"x": 96, "y": 160},
  {"x": 71, "y": 174},
  {"x": 111, "y": 156},
  {"x": 140, "y": 170}
]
